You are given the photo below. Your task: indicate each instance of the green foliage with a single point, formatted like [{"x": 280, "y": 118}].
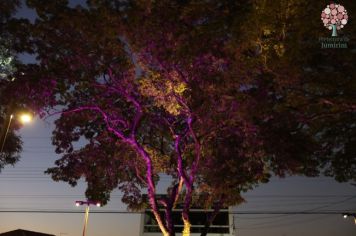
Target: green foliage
[
  {"x": 163, "y": 91},
  {"x": 10, "y": 141},
  {"x": 7, "y": 67}
]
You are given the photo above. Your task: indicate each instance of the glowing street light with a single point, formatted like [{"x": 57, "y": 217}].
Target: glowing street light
[
  {"x": 86, "y": 216},
  {"x": 345, "y": 215},
  {"x": 23, "y": 118}
]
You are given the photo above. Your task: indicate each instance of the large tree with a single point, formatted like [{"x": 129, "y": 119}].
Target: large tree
[
  {"x": 182, "y": 88},
  {"x": 10, "y": 142}
]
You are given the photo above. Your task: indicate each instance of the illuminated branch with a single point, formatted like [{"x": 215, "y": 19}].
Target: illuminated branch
[
  {"x": 105, "y": 116},
  {"x": 181, "y": 171},
  {"x": 197, "y": 151},
  {"x": 139, "y": 176},
  {"x": 118, "y": 88},
  {"x": 151, "y": 185},
  {"x": 181, "y": 74},
  {"x": 189, "y": 184},
  {"x": 146, "y": 157},
  {"x": 180, "y": 186}
]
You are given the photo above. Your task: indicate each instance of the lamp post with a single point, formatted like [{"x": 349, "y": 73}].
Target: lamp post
[
  {"x": 86, "y": 216},
  {"x": 24, "y": 118},
  {"x": 345, "y": 215}
]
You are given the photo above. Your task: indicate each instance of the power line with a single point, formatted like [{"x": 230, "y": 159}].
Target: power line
[
  {"x": 269, "y": 225},
  {"x": 37, "y": 137},
  {"x": 287, "y": 216},
  {"x": 262, "y": 195},
  {"x": 259, "y": 217},
  {"x": 129, "y": 212}
]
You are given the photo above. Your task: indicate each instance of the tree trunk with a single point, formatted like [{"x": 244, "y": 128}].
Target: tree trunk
[
  {"x": 185, "y": 213},
  {"x": 212, "y": 216},
  {"x": 334, "y": 31},
  {"x": 186, "y": 229},
  {"x": 6, "y": 125},
  {"x": 151, "y": 192}
]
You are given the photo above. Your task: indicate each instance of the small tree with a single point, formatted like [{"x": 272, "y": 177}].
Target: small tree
[{"x": 334, "y": 17}]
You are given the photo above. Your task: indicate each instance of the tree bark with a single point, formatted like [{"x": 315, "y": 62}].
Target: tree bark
[{"x": 212, "y": 216}]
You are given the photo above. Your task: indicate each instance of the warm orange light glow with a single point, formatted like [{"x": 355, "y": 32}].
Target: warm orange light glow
[
  {"x": 25, "y": 118},
  {"x": 186, "y": 229}
]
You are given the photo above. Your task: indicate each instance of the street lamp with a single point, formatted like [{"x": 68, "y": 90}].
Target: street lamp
[
  {"x": 23, "y": 118},
  {"x": 86, "y": 216},
  {"x": 345, "y": 215}
]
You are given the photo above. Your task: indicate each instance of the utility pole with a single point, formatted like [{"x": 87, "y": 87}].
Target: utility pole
[
  {"x": 4, "y": 130},
  {"x": 5, "y": 126},
  {"x": 86, "y": 216}
]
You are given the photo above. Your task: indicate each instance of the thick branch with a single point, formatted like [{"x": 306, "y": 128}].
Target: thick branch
[
  {"x": 180, "y": 186},
  {"x": 181, "y": 171},
  {"x": 105, "y": 116},
  {"x": 197, "y": 151},
  {"x": 150, "y": 184},
  {"x": 149, "y": 167},
  {"x": 118, "y": 88},
  {"x": 189, "y": 184},
  {"x": 139, "y": 176}
]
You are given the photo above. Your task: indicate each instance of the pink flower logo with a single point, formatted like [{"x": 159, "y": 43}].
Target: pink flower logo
[{"x": 334, "y": 17}]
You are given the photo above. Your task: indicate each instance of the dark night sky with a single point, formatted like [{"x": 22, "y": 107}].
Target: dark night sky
[{"x": 25, "y": 187}]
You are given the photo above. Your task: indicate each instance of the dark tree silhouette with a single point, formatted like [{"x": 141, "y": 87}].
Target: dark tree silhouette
[{"x": 11, "y": 147}]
